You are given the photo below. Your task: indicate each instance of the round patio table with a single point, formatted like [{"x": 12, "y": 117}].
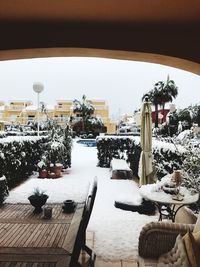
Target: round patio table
[{"x": 172, "y": 206}]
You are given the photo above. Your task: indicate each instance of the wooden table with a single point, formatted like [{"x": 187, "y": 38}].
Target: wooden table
[
  {"x": 172, "y": 206},
  {"x": 26, "y": 239}
]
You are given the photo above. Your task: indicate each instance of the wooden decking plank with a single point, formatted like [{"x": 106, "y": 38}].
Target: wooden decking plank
[
  {"x": 56, "y": 211},
  {"x": 50, "y": 235},
  {"x": 21, "y": 234},
  {"x": 70, "y": 238},
  {"x": 45, "y": 236},
  {"x": 62, "y": 239},
  {"x": 28, "y": 240},
  {"x": 12, "y": 231},
  {"x": 50, "y": 242},
  {"x": 4, "y": 228},
  {"x": 18, "y": 234},
  {"x": 22, "y": 237},
  {"x": 33, "y": 257},
  {"x": 35, "y": 228},
  {"x": 58, "y": 236},
  {"x": 40, "y": 238},
  {"x": 35, "y": 240}
]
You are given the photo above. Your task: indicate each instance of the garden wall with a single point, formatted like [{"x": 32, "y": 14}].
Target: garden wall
[{"x": 166, "y": 156}]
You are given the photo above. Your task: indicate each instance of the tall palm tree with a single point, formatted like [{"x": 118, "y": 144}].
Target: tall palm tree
[
  {"x": 162, "y": 93},
  {"x": 155, "y": 96},
  {"x": 169, "y": 92}
]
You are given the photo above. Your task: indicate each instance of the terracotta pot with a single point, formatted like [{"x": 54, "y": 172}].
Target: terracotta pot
[
  {"x": 57, "y": 171},
  {"x": 43, "y": 174}
]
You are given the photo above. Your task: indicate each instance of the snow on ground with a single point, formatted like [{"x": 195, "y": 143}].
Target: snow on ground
[{"x": 116, "y": 230}]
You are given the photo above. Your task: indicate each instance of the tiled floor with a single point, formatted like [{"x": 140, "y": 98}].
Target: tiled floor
[{"x": 101, "y": 262}]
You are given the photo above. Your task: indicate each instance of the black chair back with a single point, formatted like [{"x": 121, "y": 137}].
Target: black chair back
[{"x": 81, "y": 236}]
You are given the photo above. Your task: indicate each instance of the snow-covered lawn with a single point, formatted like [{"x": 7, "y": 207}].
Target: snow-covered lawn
[{"x": 116, "y": 231}]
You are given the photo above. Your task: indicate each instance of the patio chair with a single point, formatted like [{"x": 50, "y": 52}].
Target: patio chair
[
  {"x": 80, "y": 242},
  {"x": 161, "y": 242}
]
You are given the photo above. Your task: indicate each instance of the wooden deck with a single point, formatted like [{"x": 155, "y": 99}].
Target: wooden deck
[{"x": 26, "y": 239}]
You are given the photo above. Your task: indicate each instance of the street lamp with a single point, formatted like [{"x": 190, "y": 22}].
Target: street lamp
[{"x": 38, "y": 88}]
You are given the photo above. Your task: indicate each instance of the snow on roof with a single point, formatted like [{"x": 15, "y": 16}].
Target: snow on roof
[
  {"x": 20, "y": 100},
  {"x": 50, "y": 107},
  {"x": 30, "y": 108},
  {"x": 64, "y": 101}
]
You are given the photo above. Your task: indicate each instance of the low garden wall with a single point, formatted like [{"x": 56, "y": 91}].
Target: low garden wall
[
  {"x": 19, "y": 157},
  {"x": 166, "y": 156}
]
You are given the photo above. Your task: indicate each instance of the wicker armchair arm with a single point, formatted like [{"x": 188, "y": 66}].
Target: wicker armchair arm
[{"x": 157, "y": 238}]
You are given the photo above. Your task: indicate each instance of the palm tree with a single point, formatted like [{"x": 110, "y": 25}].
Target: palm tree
[
  {"x": 84, "y": 108},
  {"x": 155, "y": 96},
  {"x": 162, "y": 93},
  {"x": 169, "y": 92}
]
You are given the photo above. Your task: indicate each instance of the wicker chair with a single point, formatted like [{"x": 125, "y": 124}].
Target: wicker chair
[{"x": 157, "y": 238}]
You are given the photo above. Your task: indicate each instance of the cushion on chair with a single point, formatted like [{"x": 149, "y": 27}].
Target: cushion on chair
[
  {"x": 191, "y": 242},
  {"x": 197, "y": 225},
  {"x": 176, "y": 257}
]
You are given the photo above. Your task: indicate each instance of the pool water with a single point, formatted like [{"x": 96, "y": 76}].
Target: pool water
[{"x": 87, "y": 142}]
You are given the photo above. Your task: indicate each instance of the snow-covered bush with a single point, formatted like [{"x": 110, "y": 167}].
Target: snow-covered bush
[
  {"x": 166, "y": 156},
  {"x": 19, "y": 157},
  {"x": 121, "y": 147},
  {"x": 59, "y": 143},
  {"x": 55, "y": 152},
  {"x": 3, "y": 189},
  {"x": 191, "y": 169},
  {"x": 3, "y": 134}
]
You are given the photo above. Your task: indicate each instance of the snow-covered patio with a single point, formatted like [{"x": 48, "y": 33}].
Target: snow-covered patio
[{"x": 116, "y": 231}]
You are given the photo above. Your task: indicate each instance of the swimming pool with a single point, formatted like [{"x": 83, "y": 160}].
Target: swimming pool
[{"x": 87, "y": 142}]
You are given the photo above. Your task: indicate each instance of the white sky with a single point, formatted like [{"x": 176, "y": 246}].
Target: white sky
[{"x": 121, "y": 83}]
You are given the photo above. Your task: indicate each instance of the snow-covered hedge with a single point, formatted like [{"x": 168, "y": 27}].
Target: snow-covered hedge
[
  {"x": 19, "y": 157},
  {"x": 3, "y": 134},
  {"x": 121, "y": 147},
  {"x": 166, "y": 156}
]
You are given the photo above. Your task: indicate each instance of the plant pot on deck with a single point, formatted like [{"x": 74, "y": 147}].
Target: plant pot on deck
[{"x": 38, "y": 202}]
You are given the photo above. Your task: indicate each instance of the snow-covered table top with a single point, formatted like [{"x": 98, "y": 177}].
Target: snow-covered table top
[
  {"x": 119, "y": 165},
  {"x": 162, "y": 197}
]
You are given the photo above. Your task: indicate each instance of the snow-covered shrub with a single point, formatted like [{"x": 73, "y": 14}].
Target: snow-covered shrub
[
  {"x": 3, "y": 189},
  {"x": 3, "y": 134},
  {"x": 121, "y": 147},
  {"x": 59, "y": 143},
  {"x": 166, "y": 156},
  {"x": 20, "y": 156},
  {"x": 191, "y": 169},
  {"x": 55, "y": 152}
]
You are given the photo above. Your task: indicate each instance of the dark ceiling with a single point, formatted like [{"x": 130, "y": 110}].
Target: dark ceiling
[{"x": 152, "y": 26}]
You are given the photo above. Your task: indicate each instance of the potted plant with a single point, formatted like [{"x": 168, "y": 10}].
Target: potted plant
[
  {"x": 38, "y": 199},
  {"x": 56, "y": 153},
  {"x": 43, "y": 167}
]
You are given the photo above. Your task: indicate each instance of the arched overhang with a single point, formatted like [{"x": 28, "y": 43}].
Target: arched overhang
[
  {"x": 101, "y": 53},
  {"x": 165, "y": 32}
]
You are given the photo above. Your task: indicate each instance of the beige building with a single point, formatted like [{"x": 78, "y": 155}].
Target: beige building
[{"x": 23, "y": 111}]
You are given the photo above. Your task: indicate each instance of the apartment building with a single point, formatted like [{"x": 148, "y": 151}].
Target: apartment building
[{"x": 23, "y": 111}]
